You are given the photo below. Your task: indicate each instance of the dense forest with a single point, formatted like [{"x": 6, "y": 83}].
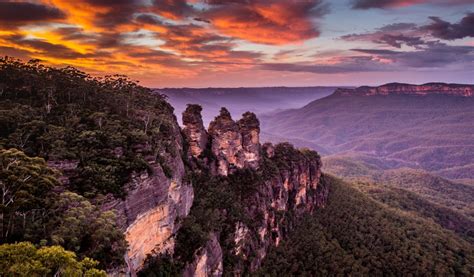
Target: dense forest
[
  {"x": 103, "y": 127},
  {"x": 355, "y": 235}
]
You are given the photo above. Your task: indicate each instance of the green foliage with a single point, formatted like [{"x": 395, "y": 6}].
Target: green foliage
[
  {"x": 354, "y": 235},
  {"x": 83, "y": 228},
  {"x": 26, "y": 185},
  {"x": 160, "y": 266},
  {"x": 24, "y": 259},
  {"x": 32, "y": 210},
  {"x": 108, "y": 125}
]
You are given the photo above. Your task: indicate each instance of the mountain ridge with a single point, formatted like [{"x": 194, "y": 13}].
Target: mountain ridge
[{"x": 433, "y": 88}]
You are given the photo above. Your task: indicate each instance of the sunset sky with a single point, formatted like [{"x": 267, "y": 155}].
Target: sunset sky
[{"x": 234, "y": 43}]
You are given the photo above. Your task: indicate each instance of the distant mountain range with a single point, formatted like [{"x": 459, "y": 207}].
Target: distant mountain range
[
  {"x": 428, "y": 127},
  {"x": 240, "y": 100}
]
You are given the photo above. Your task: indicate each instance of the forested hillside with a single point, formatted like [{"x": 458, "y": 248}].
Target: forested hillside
[
  {"x": 96, "y": 132},
  {"x": 356, "y": 235},
  {"x": 433, "y": 131}
]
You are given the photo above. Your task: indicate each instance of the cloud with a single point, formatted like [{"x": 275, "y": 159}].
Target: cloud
[
  {"x": 385, "y": 4},
  {"x": 394, "y": 35},
  {"x": 13, "y": 14},
  {"x": 173, "y": 9},
  {"x": 100, "y": 14},
  {"x": 435, "y": 56},
  {"x": 399, "y": 34},
  {"x": 448, "y": 31},
  {"x": 266, "y": 22},
  {"x": 42, "y": 47},
  {"x": 344, "y": 65}
]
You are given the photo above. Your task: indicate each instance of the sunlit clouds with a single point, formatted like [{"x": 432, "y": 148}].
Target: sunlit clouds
[{"x": 235, "y": 42}]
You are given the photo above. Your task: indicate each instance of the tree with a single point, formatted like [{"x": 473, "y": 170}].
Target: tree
[
  {"x": 24, "y": 259},
  {"x": 82, "y": 227},
  {"x": 25, "y": 185}
]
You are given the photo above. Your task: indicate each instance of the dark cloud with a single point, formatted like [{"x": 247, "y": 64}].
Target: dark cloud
[
  {"x": 148, "y": 19},
  {"x": 399, "y": 40},
  {"x": 174, "y": 9},
  {"x": 384, "y": 4},
  {"x": 74, "y": 33},
  {"x": 17, "y": 13},
  {"x": 448, "y": 31},
  {"x": 116, "y": 12},
  {"x": 45, "y": 48},
  {"x": 399, "y": 34},
  {"x": 394, "y": 35},
  {"x": 398, "y": 27},
  {"x": 377, "y": 51},
  {"x": 433, "y": 55}
]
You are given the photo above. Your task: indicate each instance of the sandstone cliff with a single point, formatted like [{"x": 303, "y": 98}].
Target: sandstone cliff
[
  {"x": 153, "y": 204},
  {"x": 407, "y": 89}
]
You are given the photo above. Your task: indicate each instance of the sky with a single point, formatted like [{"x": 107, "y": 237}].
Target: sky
[{"x": 247, "y": 43}]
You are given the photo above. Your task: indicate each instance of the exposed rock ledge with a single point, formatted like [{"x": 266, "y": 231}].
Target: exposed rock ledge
[{"x": 407, "y": 89}]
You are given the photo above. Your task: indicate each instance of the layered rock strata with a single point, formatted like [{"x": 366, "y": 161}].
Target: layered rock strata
[{"x": 407, "y": 89}]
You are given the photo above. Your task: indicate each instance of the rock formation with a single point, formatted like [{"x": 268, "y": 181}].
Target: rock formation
[
  {"x": 194, "y": 131},
  {"x": 295, "y": 188},
  {"x": 226, "y": 143},
  {"x": 250, "y": 130},
  {"x": 207, "y": 261},
  {"x": 407, "y": 89},
  {"x": 236, "y": 145}
]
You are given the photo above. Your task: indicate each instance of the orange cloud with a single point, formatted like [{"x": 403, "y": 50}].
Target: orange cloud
[{"x": 268, "y": 22}]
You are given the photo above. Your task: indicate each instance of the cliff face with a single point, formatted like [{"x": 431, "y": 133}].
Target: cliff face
[
  {"x": 407, "y": 89},
  {"x": 291, "y": 186},
  {"x": 276, "y": 206},
  {"x": 153, "y": 203}
]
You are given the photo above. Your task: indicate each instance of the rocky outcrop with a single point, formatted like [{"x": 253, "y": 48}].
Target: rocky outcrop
[
  {"x": 250, "y": 130},
  {"x": 407, "y": 89},
  {"x": 226, "y": 143},
  {"x": 207, "y": 261},
  {"x": 154, "y": 202},
  {"x": 194, "y": 131},
  {"x": 236, "y": 145}
]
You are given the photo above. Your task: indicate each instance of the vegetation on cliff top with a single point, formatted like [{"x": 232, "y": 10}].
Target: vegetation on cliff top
[{"x": 105, "y": 125}]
